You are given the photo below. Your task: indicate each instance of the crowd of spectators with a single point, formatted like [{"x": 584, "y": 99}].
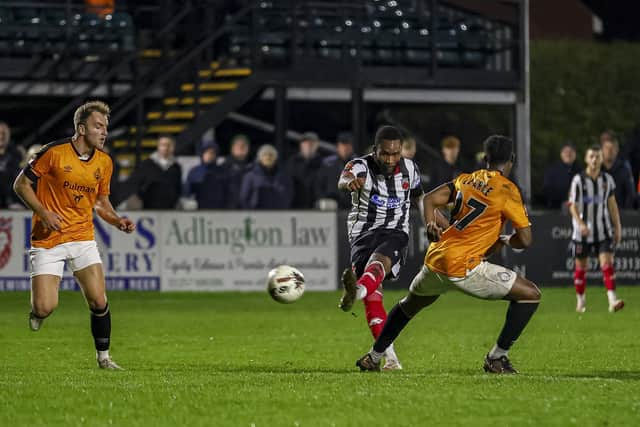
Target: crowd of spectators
[
  {"x": 557, "y": 177},
  {"x": 307, "y": 180}
]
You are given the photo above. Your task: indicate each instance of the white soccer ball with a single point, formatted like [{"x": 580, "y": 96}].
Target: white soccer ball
[{"x": 285, "y": 284}]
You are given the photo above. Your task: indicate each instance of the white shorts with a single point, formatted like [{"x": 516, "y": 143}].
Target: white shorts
[
  {"x": 51, "y": 261},
  {"x": 485, "y": 281}
]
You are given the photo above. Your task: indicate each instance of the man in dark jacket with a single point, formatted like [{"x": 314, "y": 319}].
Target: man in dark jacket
[
  {"x": 329, "y": 174},
  {"x": 10, "y": 158},
  {"x": 619, "y": 169},
  {"x": 303, "y": 168},
  {"x": 631, "y": 152},
  {"x": 158, "y": 179},
  {"x": 236, "y": 164},
  {"x": 265, "y": 185},
  {"x": 557, "y": 178},
  {"x": 209, "y": 182},
  {"x": 446, "y": 169}
]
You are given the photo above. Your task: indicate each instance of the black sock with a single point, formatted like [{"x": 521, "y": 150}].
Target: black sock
[
  {"x": 101, "y": 327},
  {"x": 396, "y": 321},
  {"x": 518, "y": 315}
]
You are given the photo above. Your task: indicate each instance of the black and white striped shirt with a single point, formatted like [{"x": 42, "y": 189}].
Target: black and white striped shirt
[
  {"x": 591, "y": 196},
  {"x": 385, "y": 199}
]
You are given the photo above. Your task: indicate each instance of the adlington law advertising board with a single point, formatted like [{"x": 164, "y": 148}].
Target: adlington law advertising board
[
  {"x": 235, "y": 250},
  {"x": 204, "y": 251}
]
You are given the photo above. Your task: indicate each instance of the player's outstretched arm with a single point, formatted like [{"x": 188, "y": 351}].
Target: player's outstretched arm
[
  {"x": 23, "y": 187},
  {"x": 614, "y": 213},
  {"x": 435, "y": 199},
  {"x": 105, "y": 210}
]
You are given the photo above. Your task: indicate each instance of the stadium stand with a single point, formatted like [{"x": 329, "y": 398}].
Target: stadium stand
[{"x": 184, "y": 85}]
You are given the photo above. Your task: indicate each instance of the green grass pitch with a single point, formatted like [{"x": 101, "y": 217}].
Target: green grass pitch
[{"x": 242, "y": 359}]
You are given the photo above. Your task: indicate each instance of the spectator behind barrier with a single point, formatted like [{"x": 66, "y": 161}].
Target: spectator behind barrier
[
  {"x": 156, "y": 180},
  {"x": 631, "y": 152},
  {"x": 619, "y": 169},
  {"x": 446, "y": 169},
  {"x": 237, "y": 165},
  {"x": 266, "y": 185},
  {"x": 328, "y": 175},
  {"x": 209, "y": 182},
  {"x": 409, "y": 148},
  {"x": 303, "y": 168},
  {"x": 557, "y": 177},
  {"x": 10, "y": 159},
  {"x": 409, "y": 151}
]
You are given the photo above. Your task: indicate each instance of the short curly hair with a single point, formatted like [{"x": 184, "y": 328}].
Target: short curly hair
[{"x": 498, "y": 149}]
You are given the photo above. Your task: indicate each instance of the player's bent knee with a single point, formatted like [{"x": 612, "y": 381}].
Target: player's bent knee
[
  {"x": 43, "y": 310},
  {"x": 532, "y": 293},
  {"x": 97, "y": 304},
  {"x": 384, "y": 260}
]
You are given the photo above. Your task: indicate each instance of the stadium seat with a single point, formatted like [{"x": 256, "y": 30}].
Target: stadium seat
[
  {"x": 6, "y": 18},
  {"x": 28, "y": 23},
  {"x": 122, "y": 24},
  {"x": 378, "y": 34},
  {"x": 55, "y": 21},
  {"x": 273, "y": 47},
  {"x": 386, "y": 48}
]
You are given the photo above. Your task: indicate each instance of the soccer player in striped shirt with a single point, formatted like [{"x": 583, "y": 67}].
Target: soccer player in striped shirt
[
  {"x": 596, "y": 226},
  {"x": 73, "y": 177},
  {"x": 456, "y": 259},
  {"x": 382, "y": 185}
]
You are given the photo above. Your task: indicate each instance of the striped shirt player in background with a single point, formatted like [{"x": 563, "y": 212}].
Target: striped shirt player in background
[
  {"x": 456, "y": 259},
  {"x": 382, "y": 185},
  {"x": 73, "y": 177},
  {"x": 596, "y": 226}
]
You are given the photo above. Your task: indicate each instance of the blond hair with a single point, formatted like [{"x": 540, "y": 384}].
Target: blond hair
[{"x": 84, "y": 111}]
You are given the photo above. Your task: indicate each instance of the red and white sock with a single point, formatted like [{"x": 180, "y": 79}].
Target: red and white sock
[
  {"x": 609, "y": 279},
  {"x": 375, "y": 312},
  {"x": 370, "y": 280},
  {"x": 580, "y": 283}
]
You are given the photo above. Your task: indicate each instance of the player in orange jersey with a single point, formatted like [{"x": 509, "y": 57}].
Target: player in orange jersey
[
  {"x": 483, "y": 201},
  {"x": 72, "y": 177}
]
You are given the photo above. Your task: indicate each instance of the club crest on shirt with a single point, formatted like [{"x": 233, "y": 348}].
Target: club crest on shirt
[
  {"x": 405, "y": 183},
  {"x": 67, "y": 169},
  {"x": 97, "y": 174}
]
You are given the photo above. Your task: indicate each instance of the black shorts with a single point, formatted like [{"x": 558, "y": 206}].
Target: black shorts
[
  {"x": 583, "y": 250},
  {"x": 390, "y": 243}
]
